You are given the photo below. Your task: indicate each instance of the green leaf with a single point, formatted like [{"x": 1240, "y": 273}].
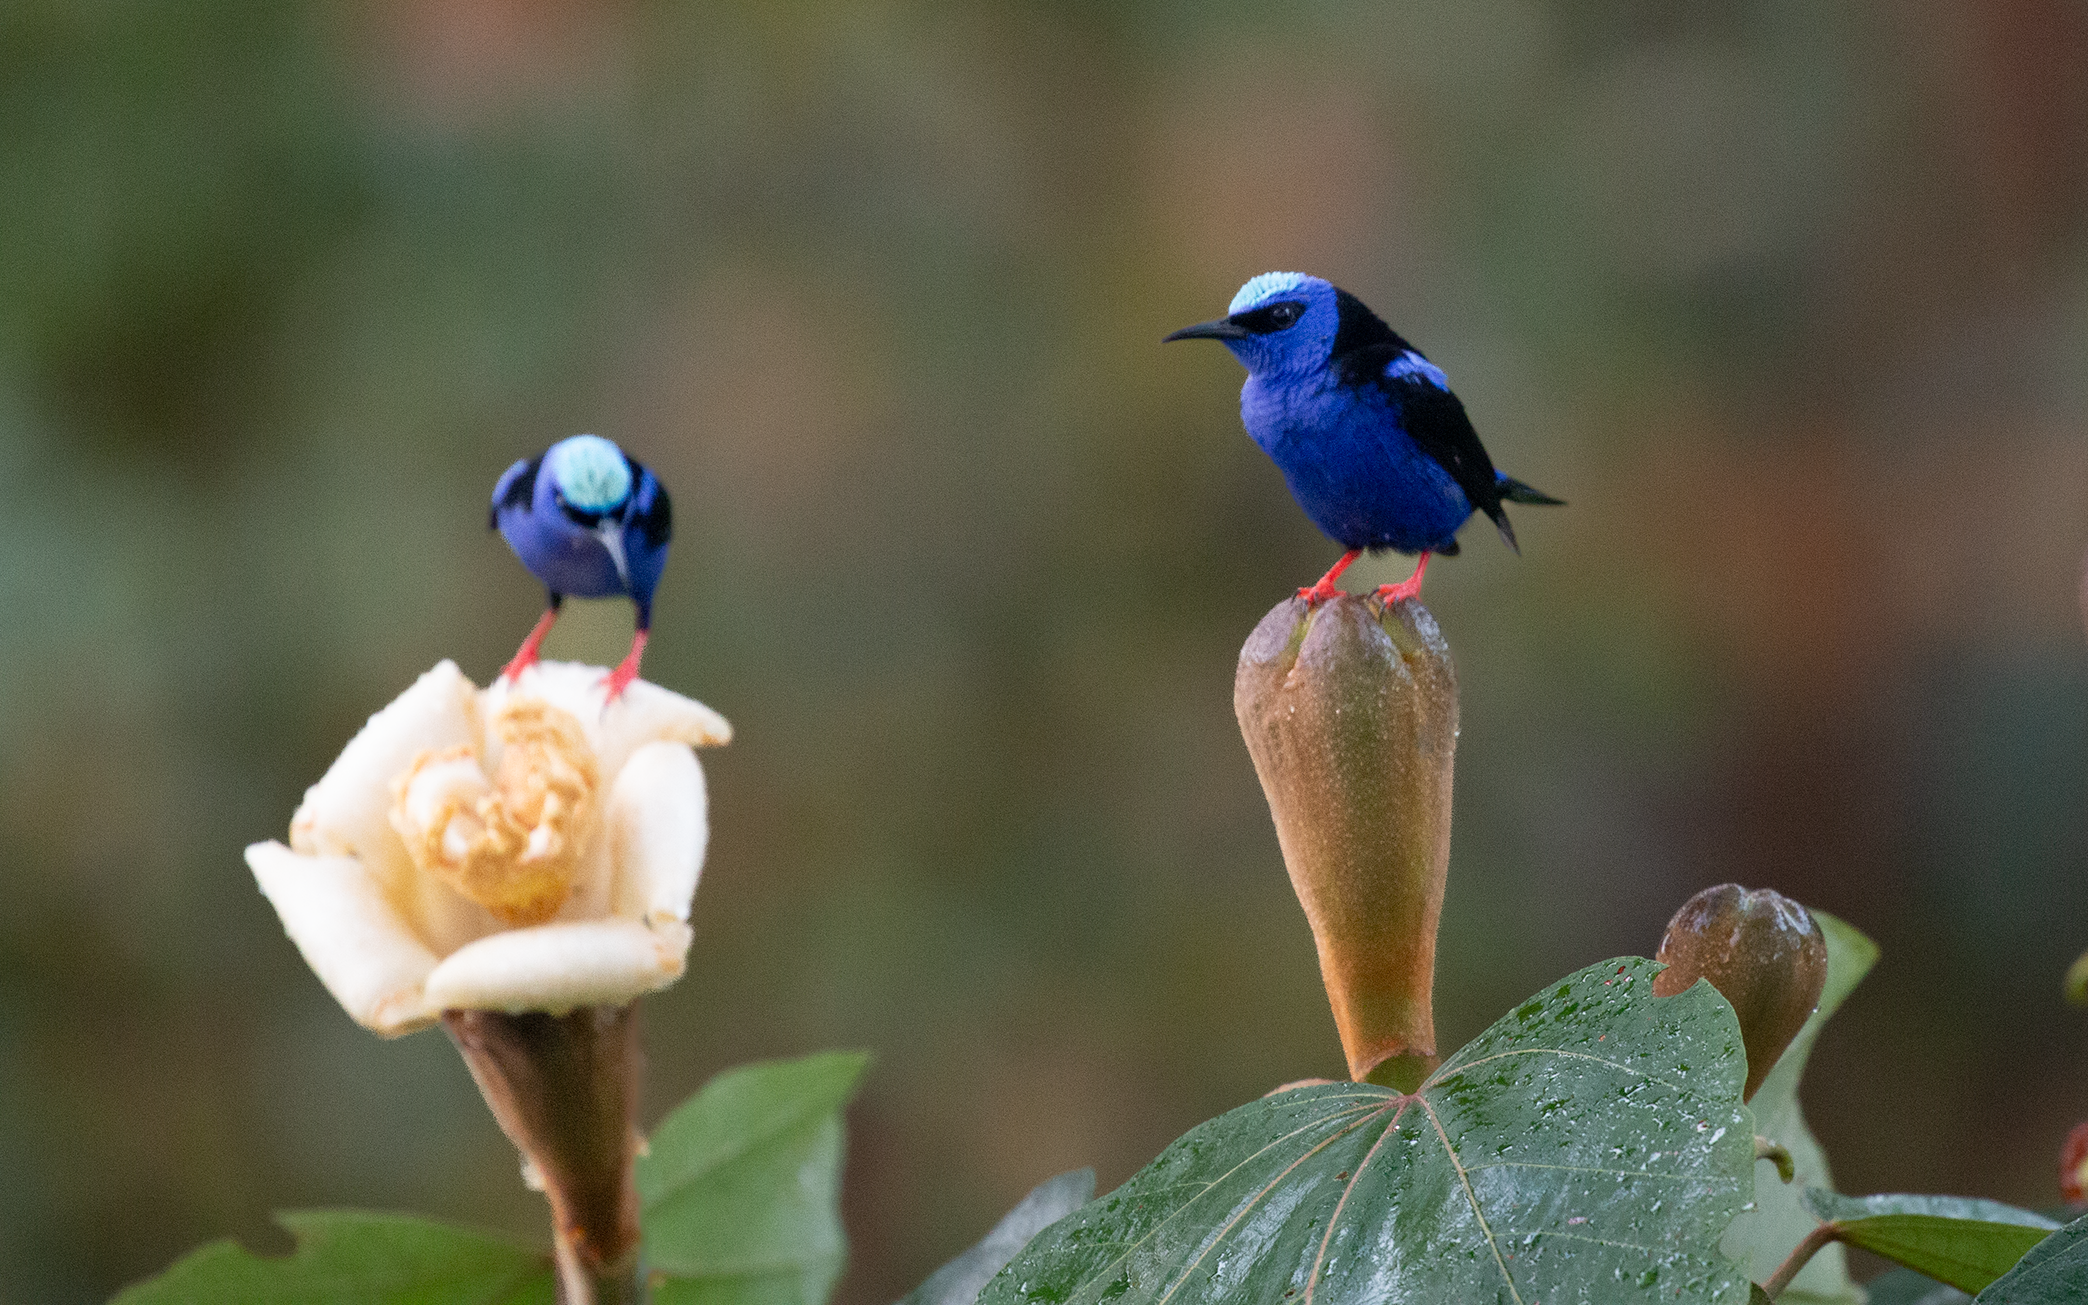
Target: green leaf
[
  {"x": 1762, "y": 1238},
  {"x": 740, "y": 1190},
  {"x": 1591, "y": 1145},
  {"x": 1960, "y": 1240},
  {"x": 2052, "y": 1272},
  {"x": 1906, "y": 1287},
  {"x": 351, "y": 1257},
  {"x": 959, "y": 1281}
]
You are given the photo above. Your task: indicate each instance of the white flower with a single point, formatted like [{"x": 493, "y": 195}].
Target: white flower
[{"x": 513, "y": 848}]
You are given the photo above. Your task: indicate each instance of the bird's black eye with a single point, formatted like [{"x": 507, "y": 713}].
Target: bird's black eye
[{"x": 1271, "y": 317}]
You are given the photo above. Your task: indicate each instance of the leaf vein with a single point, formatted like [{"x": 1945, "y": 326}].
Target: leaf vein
[
  {"x": 1585, "y": 1169},
  {"x": 1333, "y": 1220},
  {"x": 1154, "y": 1231},
  {"x": 1270, "y": 1186},
  {"x": 1452, "y": 1070},
  {"x": 1473, "y": 1197}
]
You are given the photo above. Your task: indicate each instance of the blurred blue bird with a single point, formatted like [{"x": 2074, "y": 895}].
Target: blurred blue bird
[
  {"x": 1373, "y": 444},
  {"x": 588, "y": 521}
]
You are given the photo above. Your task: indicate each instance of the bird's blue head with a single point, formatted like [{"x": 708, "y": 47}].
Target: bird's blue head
[
  {"x": 591, "y": 473},
  {"x": 1279, "y": 322}
]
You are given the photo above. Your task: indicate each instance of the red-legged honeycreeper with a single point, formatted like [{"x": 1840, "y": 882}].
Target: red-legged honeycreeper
[
  {"x": 588, "y": 521},
  {"x": 1373, "y": 444}
]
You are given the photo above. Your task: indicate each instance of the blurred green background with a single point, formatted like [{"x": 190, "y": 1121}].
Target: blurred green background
[{"x": 1790, "y": 301}]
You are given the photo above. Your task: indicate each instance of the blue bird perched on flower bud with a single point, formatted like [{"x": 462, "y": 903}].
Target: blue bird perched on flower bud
[
  {"x": 588, "y": 521},
  {"x": 1373, "y": 444}
]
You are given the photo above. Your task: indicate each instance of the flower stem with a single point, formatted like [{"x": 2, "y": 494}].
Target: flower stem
[{"x": 564, "y": 1089}]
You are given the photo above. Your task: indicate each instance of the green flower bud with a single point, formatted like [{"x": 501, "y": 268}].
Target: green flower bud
[
  {"x": 1762, "y": 951},
  {"x": 1349, "y": 709}
]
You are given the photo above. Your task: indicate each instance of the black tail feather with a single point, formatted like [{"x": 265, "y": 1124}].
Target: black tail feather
[
  {"x": 1500, "y": 520},
  {"x": 1514, "y": 491}
]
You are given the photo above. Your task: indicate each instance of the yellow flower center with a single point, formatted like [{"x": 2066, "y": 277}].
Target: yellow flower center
[{"x": 513, "y": 844}]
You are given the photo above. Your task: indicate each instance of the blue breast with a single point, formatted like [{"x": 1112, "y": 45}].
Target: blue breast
[
  {"x": 1351, "y": 464},
  {"x": 566, "y": 556}
]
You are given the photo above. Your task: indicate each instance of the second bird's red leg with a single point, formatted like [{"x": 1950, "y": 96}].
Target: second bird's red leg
[
  {"x": 626, "y": 670},
  {"x": 526, "y": 655},
  {"x": 1407, "y": 588},
  {"x": 1325, "y": 589}
]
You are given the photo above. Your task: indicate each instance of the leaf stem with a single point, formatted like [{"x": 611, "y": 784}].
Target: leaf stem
[
  {"x": 1776, "y": 1153},
  {"x": 1798, "y": 1258}
]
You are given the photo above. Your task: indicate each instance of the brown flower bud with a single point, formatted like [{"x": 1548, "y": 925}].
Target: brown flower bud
[
  {"x": 1762, "y": 951},
  {"x": 1350, "y": 712}
]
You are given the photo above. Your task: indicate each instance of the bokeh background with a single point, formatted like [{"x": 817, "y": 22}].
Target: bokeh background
[{"x": 1789, "y": 300}]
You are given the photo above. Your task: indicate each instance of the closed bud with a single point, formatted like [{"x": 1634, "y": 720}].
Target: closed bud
[
  {"x": 1349, "y": 709},
  {"x": 2077, "y": 980},
  {"x": 1762, "y": 951},
  {"x": 2073, "y": 1167}
]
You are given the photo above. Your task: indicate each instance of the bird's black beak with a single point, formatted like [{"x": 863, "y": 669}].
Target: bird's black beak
[{"x": 1222, "y": 329}]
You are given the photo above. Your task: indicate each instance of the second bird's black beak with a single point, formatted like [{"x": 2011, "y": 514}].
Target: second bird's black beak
[{"x": 1225, "y": 328}]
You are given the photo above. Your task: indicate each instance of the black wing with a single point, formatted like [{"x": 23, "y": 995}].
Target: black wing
[
  {"x": 1438, "y": 423},
  {"x": 1434, "y": 417},
  {"x": 517, "y": 488},
  {"x": 651, "y": 510},
  {"x": 1364, "y": 348}
]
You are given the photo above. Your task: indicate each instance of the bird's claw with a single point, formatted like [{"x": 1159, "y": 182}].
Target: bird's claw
[
  {"x": 625, "y": 672},
  {"x": 1399, "y": 593},
  {"x": 1319, "y": 593},
  {"x": 617, "y": 681}
]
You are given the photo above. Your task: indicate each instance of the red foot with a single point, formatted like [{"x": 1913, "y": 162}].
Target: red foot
[
  {"x": 526, "y": 655},
  {"x": 1407, "y": 588},
  {"x": 626, "y": 670},
  {"x": 1325, "y": 589}
]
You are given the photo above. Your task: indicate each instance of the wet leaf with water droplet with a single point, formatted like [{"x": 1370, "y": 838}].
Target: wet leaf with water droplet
[{"x": 1468, "y": 1191}]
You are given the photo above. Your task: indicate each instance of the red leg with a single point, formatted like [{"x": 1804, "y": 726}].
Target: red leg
[
  {"x": 627, "y": 670},
  {"x": 526, "y": 655},
  {"x": 1325, "y": 589},
  {"x": 1407, "y": 588}
]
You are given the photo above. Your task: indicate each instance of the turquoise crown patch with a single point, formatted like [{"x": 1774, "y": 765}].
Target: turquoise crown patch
[
  {"x": 591, "y": 472},
  {"x": 1266, "y": 286}
]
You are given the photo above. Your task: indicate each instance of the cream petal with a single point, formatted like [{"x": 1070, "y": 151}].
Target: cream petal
[
  {"x": 347, "y": 813},
  {"x": 656, "y": 824},
  {"x": 573, "y": 687},
  {"x": 350, "y": 934},
  {"x": 592, "y": 888},
  {"x": 557, "y": 967},
  {"x": 646, "y": 713},
  {"x": 444, "y": 918}
]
